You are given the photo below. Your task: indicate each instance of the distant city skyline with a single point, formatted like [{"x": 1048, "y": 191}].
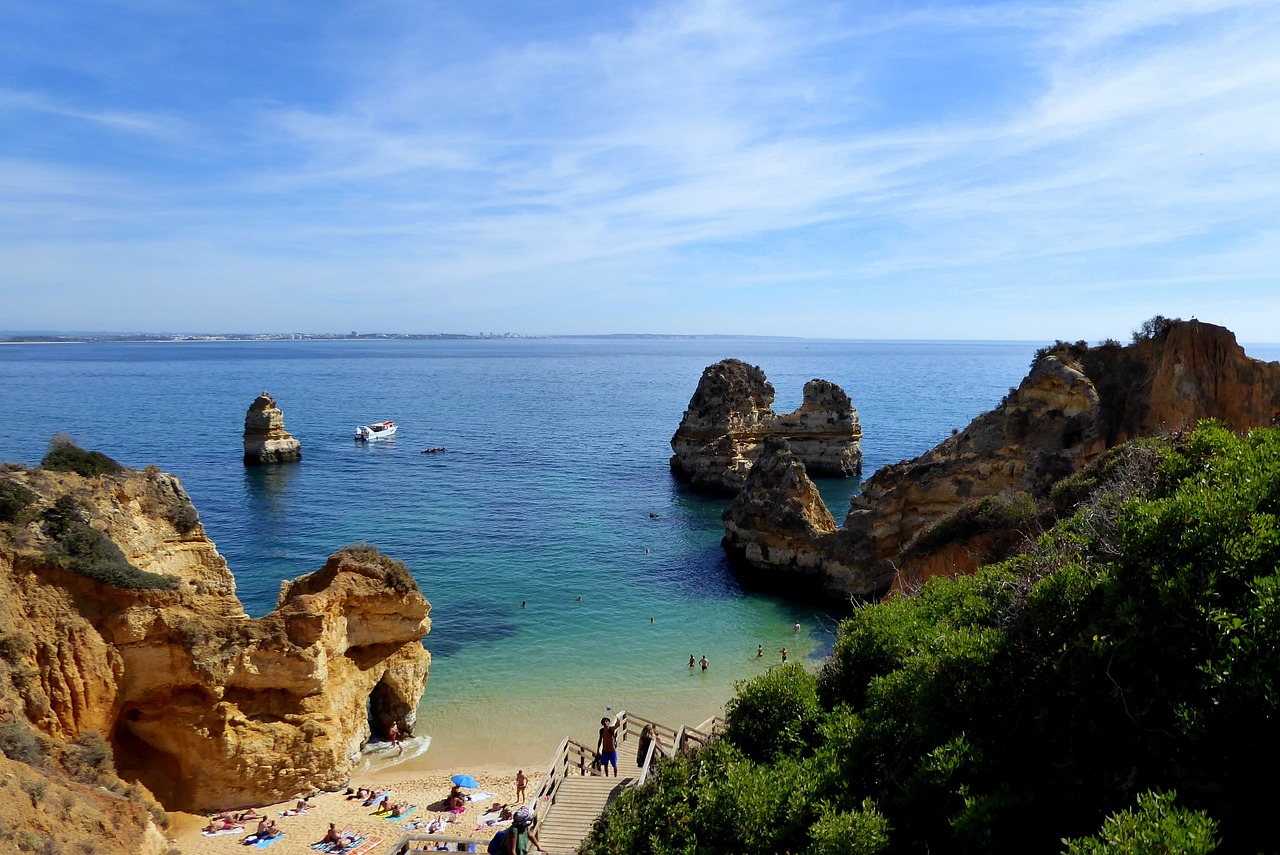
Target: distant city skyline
[{"x": 872, "y": 170}]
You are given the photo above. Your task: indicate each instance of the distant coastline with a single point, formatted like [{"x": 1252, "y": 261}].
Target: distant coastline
[{"x": 141, "y": 338}]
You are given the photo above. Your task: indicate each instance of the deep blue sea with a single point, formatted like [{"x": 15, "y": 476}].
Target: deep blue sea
[{"x": 557, "y": 457}]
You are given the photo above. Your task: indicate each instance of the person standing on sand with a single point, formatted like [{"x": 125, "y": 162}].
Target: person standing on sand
[
  {"x": 607, "y": 746},
  {"x": 521, "y": 783}
]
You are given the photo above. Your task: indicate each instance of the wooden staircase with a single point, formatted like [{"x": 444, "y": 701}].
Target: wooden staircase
[
  {"x": 570, "y": 798},
  {"x": 580, "y": 800}
]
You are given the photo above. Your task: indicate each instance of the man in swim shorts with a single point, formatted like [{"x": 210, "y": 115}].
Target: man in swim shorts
[{"x": 608, "y": 747}]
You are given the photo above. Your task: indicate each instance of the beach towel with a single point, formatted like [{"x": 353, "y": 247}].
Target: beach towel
[
  {"x": 366, "y": 847},
  {"x": 264, "y": 842},
  {"x": 479, "y": 797},
  {"x": 223, "y": 831},
  {"x": 408, "y": 811}
]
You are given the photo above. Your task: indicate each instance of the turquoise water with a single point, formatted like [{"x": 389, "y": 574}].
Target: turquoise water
[{"x": 557, "y": 458}]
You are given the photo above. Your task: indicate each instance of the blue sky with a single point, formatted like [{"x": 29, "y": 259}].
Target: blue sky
[{"x": 1005, "y": 170}]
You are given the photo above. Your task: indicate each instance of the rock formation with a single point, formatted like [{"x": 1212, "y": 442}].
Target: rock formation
[
  {"x": 120, "y": 617},
  {"x": 731, "y": 414},
  {"x": 1075, "y": 403},
  {"x": 265, "y": 439}
]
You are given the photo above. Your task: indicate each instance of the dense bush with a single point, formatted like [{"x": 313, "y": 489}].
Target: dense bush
[
  {"x": 65, "y": 456},
  {"x": 77, "y": 546},
  {"x": 90, "y": 758},
  {"x": 15, "y": 499},
  {"x": 394, "y": 573},
  {"x": 1003, "y": 512},
  {"x": 1158, "y": 827},
  {"x": 1133, "y": 650},
  {"x": 19, "y": 742},
  {"x": 775, "y": 714}
]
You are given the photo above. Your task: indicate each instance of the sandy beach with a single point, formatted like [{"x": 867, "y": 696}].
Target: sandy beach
[{"x": 300, "y": 831}]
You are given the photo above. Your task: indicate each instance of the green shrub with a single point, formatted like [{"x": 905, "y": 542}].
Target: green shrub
[
  {"x": 19, "y": 742},
  {"x": 1004, "y": 512},
  {"x": 15, "y": 499},
  {"x": 80, "y": 548},
  {"x": 90, "y": 758},
  {"x": 394, "y": 573},
  {"x": 1155, "y": 327},
  {"x": 863, "y": 831},
  {"x": 1158, "y": 827},
  {"x": 773, "y": 714},
  {"x": 65, "y": 456}
]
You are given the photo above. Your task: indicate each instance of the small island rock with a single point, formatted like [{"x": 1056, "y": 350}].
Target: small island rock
[
  {"x": 265, "y": 439},
  {"x": 731, "y": 415}
]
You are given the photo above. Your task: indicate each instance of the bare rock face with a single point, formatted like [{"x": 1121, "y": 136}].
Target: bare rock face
[
  {"x": 778, "y": 525},
  {"x": 1075, "y": 403},
  {"x": 204, "y": 706},
  {"x": 265, "y": 439},
  {"x": 731, "y": 414}
]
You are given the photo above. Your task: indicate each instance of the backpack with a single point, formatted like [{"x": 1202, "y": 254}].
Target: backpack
[{"x": 495, "y": 845}]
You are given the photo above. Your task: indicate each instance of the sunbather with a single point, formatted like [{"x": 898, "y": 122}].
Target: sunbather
[
  {"x": 222, "y": 823},
  {"x": 401, "y": 808}
]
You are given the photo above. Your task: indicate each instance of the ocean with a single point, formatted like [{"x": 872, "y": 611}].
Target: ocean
[{"x": 555, "y": 486}]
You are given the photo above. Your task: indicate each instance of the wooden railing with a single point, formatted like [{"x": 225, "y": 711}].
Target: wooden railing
[{"x": 572, "y": 756}]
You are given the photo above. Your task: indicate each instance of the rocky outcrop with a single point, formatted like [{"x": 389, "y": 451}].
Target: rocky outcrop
[
  {"x": 1075, "y": 403},
  {"x": 138, "y": 636},
  {"x": 731, "y": 415},
  {"x": 265, "y": 439}
]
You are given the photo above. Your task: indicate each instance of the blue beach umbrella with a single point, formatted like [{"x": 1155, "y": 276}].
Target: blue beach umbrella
[{"x": 466, "y": 781}]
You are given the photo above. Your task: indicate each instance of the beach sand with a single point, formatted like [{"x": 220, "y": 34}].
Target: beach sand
[{"x": 418, "y": 788}]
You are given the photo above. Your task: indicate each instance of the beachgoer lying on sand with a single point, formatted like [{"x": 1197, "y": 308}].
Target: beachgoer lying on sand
[
  {"x": 360, "y": 794},
  {"x": 246, "y": 815},
  {"x": 222, "y": 823},
  {"x": 303, "y": 804},
  {"x": 401, "y": 808},
  {"x": 437, "y": 825},
  {"x": 376, "y": 796}
]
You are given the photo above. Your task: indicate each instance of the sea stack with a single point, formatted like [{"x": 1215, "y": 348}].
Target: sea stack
[
  {"x": 265, "y": 439},
  {"x": 731, "y": 414}
]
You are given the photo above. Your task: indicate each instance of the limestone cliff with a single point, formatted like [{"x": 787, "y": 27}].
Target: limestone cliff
[
  {"x": 731, "y": 414},
  {"x": 1075, "y": 403},
  {"x": 120, "y": 618},
  {"x": 265, "y": 439}
]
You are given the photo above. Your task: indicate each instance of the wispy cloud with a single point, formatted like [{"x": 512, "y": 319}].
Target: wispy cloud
[{"x": 766, "y": 148}]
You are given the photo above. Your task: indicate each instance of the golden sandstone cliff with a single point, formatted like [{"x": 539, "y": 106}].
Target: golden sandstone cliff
[
  {"x": 731, "y": 415},
  {"x": 1076, "y": 402},
  {"x": 119, "y": 623}
]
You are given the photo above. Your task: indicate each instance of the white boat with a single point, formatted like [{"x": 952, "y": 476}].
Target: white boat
[{"x": 375, "y": 431}]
